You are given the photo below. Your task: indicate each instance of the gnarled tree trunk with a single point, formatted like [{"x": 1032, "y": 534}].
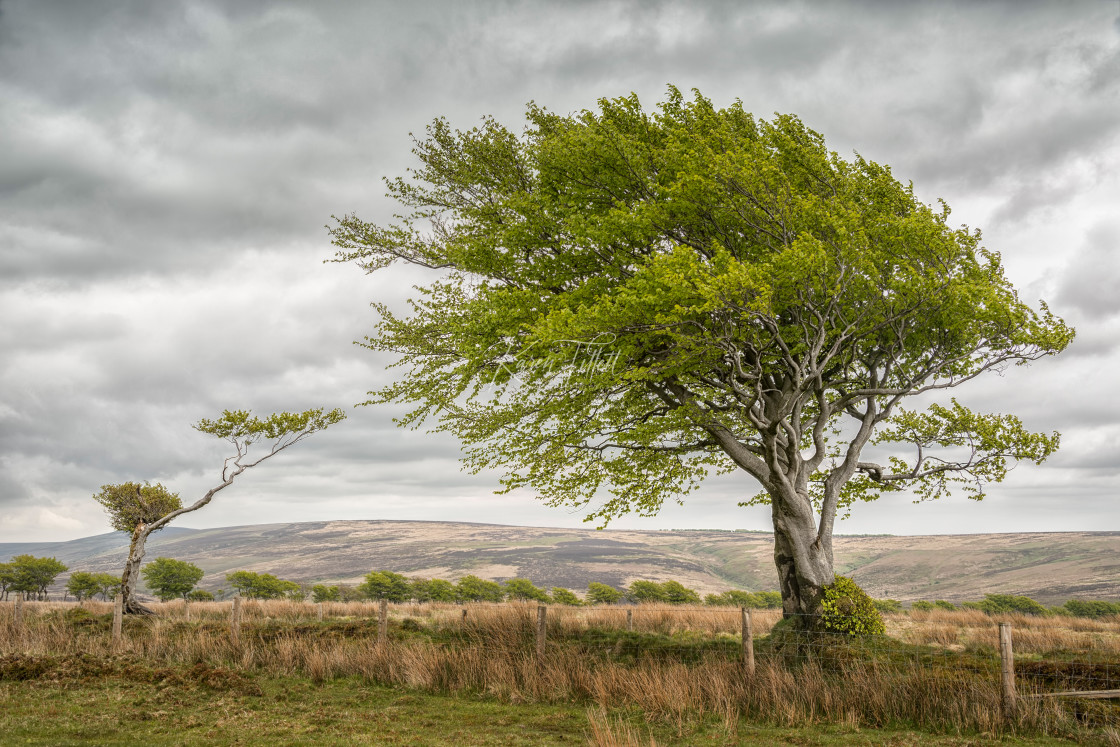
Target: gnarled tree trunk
[
  {"x": 803, "y": 559},
  {"x": 132, "y": 571}
]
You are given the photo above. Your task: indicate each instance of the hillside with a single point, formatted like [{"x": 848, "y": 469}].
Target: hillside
[{"x": 1050, "y": 567}]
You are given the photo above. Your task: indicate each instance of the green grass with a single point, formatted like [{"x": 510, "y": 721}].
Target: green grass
[{"x": 87, "y": 701}]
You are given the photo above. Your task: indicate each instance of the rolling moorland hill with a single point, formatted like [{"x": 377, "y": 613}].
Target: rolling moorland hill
[{"x": 1050, "y": 567}]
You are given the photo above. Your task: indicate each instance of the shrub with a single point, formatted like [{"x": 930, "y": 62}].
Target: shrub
[
  {"x": 996, "y": 604},
  {"x": 598, "y": 593},
  {"x": 1090, "y": 608},
  {"x": 677, "y": 593},
  {"x": 386, "y": 585},
  {"x": 433, "y": 590},
  {"x": 646, "y": 591},
  {"x": 847, "y": 609},
  {"x": 475, "y": 589},
  {"x": 322, "y": 593},
  {"x": 941, "y": 604},
  {"x": 526, "y": 590},
  {"x": 887, "y": 605},
  {"x": 200, "y": 595},
  {"x": 922, "y": 605},
  {"x": 561, "y": 595}
]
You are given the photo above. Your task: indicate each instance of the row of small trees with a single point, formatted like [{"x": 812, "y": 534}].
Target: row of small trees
[{"x": 395, "y": 587}]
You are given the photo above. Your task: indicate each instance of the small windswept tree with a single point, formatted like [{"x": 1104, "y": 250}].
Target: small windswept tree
[{"x": 143, "y": 509}]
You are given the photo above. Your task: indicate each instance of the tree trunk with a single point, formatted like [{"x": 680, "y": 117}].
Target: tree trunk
[
  {"x": 804, "y": 564},
  {"x": 130, "y": 605}
]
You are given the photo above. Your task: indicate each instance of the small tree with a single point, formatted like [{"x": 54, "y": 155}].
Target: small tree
[
  {"x": 253, "y": 585},
  {"x": 322, "y": 593},
  {"x": 200, "y": 595},
  {"x": 560, "y": 595},
  {"x": 82, "y": 585},
  {"x": 598, "y": 593},
  {"x": 143, "y": 509},
  {"x": 433, "y": 590},
  {"x": 169, "y": 578},
  {"x": 475, "y": 589},
  {"x": 32, "y": 575},
  {"x": 524, "y": 589},
  {"x": 386, "y": 585},
  {"x": 678, "y": 593},
  {"x": 109, "y": 585},
  {"x": 646, "y": 591}
]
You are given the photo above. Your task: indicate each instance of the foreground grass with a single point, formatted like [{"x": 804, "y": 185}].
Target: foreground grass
[
  {"x": 126, "y": 701},
  {"x": 471, "y": 675}
]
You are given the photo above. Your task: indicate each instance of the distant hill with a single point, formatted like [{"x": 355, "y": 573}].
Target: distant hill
[{"x": 1050, "y": 567}]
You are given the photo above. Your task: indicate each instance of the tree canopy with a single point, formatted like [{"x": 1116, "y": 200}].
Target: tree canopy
[
  {"x": 130, "y": 504},
  {"x": 169, "y": 578},
  {"x": 628, "y": 301},
  {"x": 32, "y": 575}
]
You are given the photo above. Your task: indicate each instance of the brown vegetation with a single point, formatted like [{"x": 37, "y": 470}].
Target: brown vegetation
[{"x": 935, "y": 670}]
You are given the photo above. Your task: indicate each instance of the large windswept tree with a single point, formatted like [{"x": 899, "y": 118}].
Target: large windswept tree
[
  {"x": 143, "y": 509},
  {"x": 628, "y": 300}
]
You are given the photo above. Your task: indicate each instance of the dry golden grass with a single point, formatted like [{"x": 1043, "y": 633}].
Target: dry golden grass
[{"x": 490, "y": 651}]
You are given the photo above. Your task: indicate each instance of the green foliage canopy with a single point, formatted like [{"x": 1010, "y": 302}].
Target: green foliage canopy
[
  {"x": 474, "y": 589},
  {"x": 386, "y": 585},
  {"x": 169, "y": 578},
  {"x": 130, "y": 504},
  {"x": 32, "y": 575},
  {"x": 630, "y": 300},
  {"x": 524, "y": 589},
  {"x": 252, "y": 585},
  {"x": 598, "y": 593}
]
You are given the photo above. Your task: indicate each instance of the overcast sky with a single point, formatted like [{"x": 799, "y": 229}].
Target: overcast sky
[{"x": 166, "y": 171}]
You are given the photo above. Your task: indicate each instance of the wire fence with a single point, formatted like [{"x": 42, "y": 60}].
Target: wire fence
[{"x": 938, "y": 667}]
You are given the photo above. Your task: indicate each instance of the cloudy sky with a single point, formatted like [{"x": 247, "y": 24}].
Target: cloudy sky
[{"x": 166, "y": 171}]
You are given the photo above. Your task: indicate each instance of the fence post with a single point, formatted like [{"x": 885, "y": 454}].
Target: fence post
[
  {"x": 629, "y": 621},
  {"x": 187, "y": 610},
  {"x": 118, "y": 616},
  {"x": 1007, "y": 666},
  {"x": 320, "y": 606},
  {"x": 542, "y": 622},
  {"x": 19, "y": 609},
  {"x": 235, "y": 621},
  {"x": 748, "y": 643},
  {"x": 383, "y": 621}
]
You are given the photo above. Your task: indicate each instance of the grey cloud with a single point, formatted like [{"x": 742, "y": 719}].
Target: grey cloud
[{"x": 1091, "y": 281}]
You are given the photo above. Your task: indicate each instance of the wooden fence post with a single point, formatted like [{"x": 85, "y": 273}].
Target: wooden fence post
[
  {"x": 542, "y": 623},
  {"x": 383, "y": 621},
  {"x": 629, "y": 621},
  {"x": 320, "y": 606},
  {"x": 19, "y": 609},
  {"x": 186, "y": 610},
  {"x": 1007, "y": 666},
  {"x": 235, "y": 621},
  {"x": 118, "y": 617},
  {"x": 748, "y": 643}
]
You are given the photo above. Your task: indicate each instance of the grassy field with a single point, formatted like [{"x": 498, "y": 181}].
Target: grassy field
[{"x": 439, "y": 677}]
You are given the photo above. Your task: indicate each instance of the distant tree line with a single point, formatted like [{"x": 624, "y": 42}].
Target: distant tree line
[{"x": 168, "y": 579}]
